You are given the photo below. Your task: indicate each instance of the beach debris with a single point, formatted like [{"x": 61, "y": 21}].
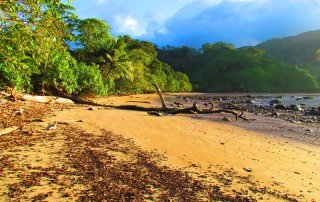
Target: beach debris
[
  {"x": 280, "y": 106},
  {"x": 226, "y": 119},
  {"x": 19, "y": 112},
  {"x": 69, "y": 121},
  {"x": 52, "y": 126},
  {"x": 47, "y": 99},
  {"x": 309, "y": 130},
  {"x": 144, "y": 102},
  {"x": 308, "y": 98},
  {"x": 313, "y": 112},
  {"x": 40, "y": 99},
  {"x": 36, "y": 120},
  {"x": 272, "y": 102},
  {"x": 60, "y": 100},
  {"x": 164, "y": 108},
  {"x": 247, "y": 169},
  {"x": 154, "y": 113},
  {"x": 275, "y": 114},
  {"x": 8, "y": 130},
  {"x": 178, "y": 104}
]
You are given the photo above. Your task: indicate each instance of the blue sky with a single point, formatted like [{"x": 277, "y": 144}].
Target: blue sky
[{"x": 195, "y": 22}]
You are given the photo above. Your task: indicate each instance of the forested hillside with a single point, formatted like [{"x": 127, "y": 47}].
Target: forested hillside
[
  {"x": 296, "y": 50},
  {"x": 45, "y": 47},
  {"x": 36, "y": 54},
  {"x": 220, "y": 67}
]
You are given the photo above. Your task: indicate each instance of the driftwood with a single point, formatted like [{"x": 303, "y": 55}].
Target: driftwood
[
  {"x": 164, "y": 106},
  {"x": 13, "y": 96},
  {"x": 156, "y": 111},
  {"x": 46, "y": 99},
  {"x": 8, "y": 130}
]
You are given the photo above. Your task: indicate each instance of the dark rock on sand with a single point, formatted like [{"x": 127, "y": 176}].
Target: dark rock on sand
[
  {"x": 272, "y": 102},
  {"x": 280, "y": 106},
  {"x": 226, "y": 119},
  {"x": 248, "y": 169},
  {"x": 295, "y": 108},
  {"x": 308, "y": 98}
]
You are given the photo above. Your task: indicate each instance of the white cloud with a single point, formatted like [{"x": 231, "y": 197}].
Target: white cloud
[
  {"x": 102, "y": 1},
  {"x": 129, "y": 25}
]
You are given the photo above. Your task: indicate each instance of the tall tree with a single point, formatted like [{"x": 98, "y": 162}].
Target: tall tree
[{"x": 32, "y": 37}]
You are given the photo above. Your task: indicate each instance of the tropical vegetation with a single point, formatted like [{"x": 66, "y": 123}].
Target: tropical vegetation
[{"x": 44, "y": 47}]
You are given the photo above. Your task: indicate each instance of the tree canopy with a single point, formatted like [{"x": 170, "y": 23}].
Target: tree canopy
[
  {"x": 220, "y": 67},
  {"x": 45, "y": 46}
]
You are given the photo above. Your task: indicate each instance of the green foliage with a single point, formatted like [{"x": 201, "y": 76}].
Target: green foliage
[
  {"x": 34, "y": 54},
  {"x": 93, "y": 34},
  {"x": 90, "y": 80},
  {"x": 298, "y": 50},
  {"x": 222, "y": 68}
]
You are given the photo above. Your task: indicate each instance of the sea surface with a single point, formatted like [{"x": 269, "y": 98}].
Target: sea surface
[{"x": 302, "y": 100}]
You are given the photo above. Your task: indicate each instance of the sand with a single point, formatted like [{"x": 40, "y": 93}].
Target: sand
[{"x": 199, "y": 145}]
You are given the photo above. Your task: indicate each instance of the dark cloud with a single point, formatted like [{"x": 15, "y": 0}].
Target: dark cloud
[{"x": 240, "y": 23}]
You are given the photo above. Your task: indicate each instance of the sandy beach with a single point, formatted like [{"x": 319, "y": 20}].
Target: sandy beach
[
  {"x": 280, "y": 163},
  {"x": 238, "y": 157}
]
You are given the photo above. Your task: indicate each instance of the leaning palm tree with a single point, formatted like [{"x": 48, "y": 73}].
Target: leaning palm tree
[{"x": 116, "y": 61}]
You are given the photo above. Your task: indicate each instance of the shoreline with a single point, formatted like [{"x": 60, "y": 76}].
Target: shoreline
[
  {"x": 222, "y": 156},
  {"x": 213, "y": 146}
]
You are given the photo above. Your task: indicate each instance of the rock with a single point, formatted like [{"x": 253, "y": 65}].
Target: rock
[
  {"x": 91, "y": 108},
  {"x": 52, "y": 126},
  {"x": 292, "y": 121},
  {"x": 295, "y": 108},
  {"x": 178, "y": 104},
  {"x": 226, "y": 119},
  {"x": 272, "y": 102},
  {"x": 280, "y": 106},
  {"x": 249, "y": 170},
  {"x": 275, "y": 114},
  {"x": 308, "y": 98},
  {"x": 314, "y": 113},
  {"x": 250, "y": 102},
  {"x": 154, "y": 113}
]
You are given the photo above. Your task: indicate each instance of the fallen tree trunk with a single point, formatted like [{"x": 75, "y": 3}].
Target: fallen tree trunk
[
  {"x": 194, "y": 109},
  {"x": 164, "y": 106}
]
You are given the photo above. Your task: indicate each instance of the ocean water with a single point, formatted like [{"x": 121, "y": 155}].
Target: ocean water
[{"x": 302, "y": 100}]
